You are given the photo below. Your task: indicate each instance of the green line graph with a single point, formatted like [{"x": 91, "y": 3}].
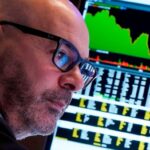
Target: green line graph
[{"x": 106, "y": 34}]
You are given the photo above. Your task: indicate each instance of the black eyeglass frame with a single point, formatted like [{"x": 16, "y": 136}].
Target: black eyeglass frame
[{"x": 59, "y": 40}]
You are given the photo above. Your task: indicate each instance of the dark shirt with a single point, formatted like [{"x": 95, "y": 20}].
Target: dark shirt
[{"x": 7, "y": 138}]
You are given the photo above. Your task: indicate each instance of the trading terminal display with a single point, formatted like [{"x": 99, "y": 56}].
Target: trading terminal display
[{"x": 114, "y": 111}]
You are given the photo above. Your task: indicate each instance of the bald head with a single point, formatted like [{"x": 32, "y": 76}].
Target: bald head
[
  {"x": 48, "y": 15},
  {"x": 24, "y": 10}
]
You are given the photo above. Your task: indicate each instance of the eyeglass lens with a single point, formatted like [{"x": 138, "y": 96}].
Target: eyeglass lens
[{"x": 65, "y": 58}]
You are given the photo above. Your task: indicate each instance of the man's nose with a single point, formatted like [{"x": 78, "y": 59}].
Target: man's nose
[{"x": 72, "y": 80}]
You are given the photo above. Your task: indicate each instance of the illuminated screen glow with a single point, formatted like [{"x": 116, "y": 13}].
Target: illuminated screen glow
[
  {"x": 113, "y": 112},
  {"x": 145, "y": 2}
]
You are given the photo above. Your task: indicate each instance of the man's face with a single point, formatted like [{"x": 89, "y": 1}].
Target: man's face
[
  {"x": 35, "y": 95},
  {"x": 35, "y": 91}
]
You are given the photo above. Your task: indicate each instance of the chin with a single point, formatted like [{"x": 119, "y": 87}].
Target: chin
[
  {"x": 45, "y": 126},
  {"x": 42, "y": 121}
]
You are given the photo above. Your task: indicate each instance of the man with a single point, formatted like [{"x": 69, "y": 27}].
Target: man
[{"x": 39, "y": 71}]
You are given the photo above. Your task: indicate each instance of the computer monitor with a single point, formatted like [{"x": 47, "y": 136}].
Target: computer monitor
[{"x": 112, "y": 113}]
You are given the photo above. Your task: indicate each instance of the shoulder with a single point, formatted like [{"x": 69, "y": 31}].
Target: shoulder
[{"x": 7, "y": 139}]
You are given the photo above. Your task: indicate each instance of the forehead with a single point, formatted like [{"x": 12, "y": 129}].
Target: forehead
[
  {"x": 64, "y": 20},
  {"x": 68, "y": 23},
  {"x": 58, "y": 17}
]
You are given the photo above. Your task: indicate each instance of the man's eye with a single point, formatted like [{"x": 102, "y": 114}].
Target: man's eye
[
  {"x": 61, "y": 55},
  {"x": 62, "y": 59}
]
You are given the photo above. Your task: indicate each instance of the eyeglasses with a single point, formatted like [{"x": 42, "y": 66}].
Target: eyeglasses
[{"x": 65, "y": 56}]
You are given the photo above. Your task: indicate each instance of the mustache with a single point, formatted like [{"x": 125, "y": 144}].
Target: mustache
[{"x": 55, "y": 95}]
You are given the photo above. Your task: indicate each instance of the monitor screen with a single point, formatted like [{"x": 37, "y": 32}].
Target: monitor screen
[{"x": 113, "y": 112}]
